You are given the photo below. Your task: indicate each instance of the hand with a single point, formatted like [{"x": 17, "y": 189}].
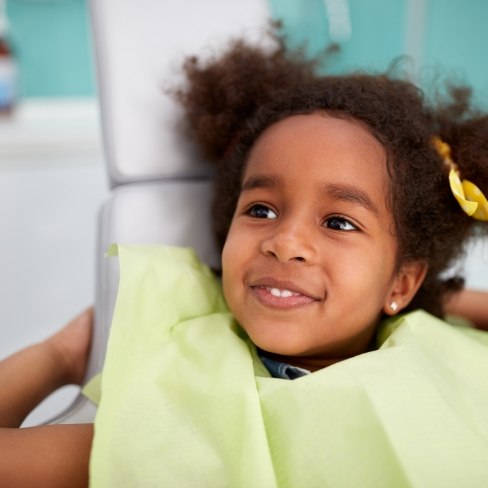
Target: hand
[
  {"x": 31, "y": 374},
  {"x": 470, "y": 304},
  {"x": 71, "y": 345}
]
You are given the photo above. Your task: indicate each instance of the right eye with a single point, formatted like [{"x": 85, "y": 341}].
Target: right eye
[{"x": 260, "y": 211}]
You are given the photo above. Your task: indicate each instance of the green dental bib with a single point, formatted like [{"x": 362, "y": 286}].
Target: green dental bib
[{"x": 185, "y": 401}]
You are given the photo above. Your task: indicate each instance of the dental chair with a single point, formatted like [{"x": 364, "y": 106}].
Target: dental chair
[{"x": 160, "y": 186}]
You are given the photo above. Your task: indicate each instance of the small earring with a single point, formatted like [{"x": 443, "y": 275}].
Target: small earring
[{"x": 394, "y": 306}]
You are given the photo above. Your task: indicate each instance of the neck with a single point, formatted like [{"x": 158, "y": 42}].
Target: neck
[
  {"x": 310, "y": 363},
  {"x": 314, "y": 363}
]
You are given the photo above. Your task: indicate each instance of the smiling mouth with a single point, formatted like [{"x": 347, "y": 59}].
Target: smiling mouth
[
  {"x": 282, "y": 298},
  {"x": 277, "y": 292}
]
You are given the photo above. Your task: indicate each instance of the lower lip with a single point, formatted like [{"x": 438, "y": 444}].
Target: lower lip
[{"x": 265, "y": 297}]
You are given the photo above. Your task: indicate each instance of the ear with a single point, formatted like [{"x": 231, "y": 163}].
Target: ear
[{"x": 404, "y": 287}]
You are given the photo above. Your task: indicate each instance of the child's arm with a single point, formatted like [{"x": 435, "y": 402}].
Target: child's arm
[
  {"x": 471, "y": 304},
  {"x": 49, "y": 455},
  {"x": 28, "y": 376}
]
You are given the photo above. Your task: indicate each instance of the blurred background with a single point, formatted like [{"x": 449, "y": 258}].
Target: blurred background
[{"x": 52, "y": 177}]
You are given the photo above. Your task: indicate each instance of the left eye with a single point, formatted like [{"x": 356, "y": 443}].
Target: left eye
[{"x": 339, "y": 223}]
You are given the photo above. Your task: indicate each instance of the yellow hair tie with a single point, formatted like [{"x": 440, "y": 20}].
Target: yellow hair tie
[{"x": 468, "y": 195}]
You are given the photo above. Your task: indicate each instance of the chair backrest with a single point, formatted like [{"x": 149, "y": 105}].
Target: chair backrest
[
  {"x": 161, "y": 186},
  {"x": 140, "y": 46}
]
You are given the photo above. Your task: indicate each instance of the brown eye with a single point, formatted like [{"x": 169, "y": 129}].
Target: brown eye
[
  {"x": 340, "y": 223},
  {"x": 259, "y": 211}
]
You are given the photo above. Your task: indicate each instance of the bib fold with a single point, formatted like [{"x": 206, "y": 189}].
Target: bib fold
[{"x": 186, "y": 402}]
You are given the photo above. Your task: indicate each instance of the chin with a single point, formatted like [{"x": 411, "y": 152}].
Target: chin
[{"x": 282, "y": 348}]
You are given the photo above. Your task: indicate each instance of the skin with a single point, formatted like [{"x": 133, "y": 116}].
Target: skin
[
  {"x": 470, "y": 304},
  {"x": 52, "y": 455},
  {"x": 312, "y": 219}
]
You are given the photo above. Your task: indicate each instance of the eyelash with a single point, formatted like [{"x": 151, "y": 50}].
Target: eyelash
[
  {"x": 343, "y": 221},
  {"x": 253, "y": 209}
]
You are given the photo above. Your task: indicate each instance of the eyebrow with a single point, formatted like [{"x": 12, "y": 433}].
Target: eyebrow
[
  {"x": 351, "y": 194},
  {"x": 260, "y": 181},
  {"x": 342, "y": 192}
]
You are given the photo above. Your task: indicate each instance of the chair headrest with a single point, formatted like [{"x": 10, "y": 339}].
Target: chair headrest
[{"x": 139, "y": 47}]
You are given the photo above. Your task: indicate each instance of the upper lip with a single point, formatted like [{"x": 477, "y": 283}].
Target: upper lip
[{"x": 273, "y": 282}]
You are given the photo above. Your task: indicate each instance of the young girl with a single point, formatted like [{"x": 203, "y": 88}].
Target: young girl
[{"x": 335, "y": 209}]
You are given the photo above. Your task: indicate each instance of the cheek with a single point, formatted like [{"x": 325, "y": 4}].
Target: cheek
[
  {"x": 238, "y": 245},
  {"x": 226, "y": 266},
  {"x": 365, "y": 279},
  {"x": 232, "y": 255}
]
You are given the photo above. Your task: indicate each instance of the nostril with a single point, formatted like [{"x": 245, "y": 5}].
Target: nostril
[{"x": 284, "y": 249}]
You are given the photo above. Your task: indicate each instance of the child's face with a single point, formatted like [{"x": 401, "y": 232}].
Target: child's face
[{"x": 309, "y": 261}]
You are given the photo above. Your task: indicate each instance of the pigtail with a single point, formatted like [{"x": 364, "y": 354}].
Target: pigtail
[
  {"x": 469, "y": 144},
  {"x": 465, "y": 130},
  {"x": 224, "y": 91}
]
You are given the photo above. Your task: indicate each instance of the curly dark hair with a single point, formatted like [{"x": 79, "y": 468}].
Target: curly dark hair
[{"x": 232, "y": 98}]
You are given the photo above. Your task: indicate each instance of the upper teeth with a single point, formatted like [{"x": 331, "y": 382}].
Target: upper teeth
[{"x": 276, "y": 292}]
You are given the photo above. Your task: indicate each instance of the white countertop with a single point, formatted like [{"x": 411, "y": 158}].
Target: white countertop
[{"x": 50, "y": 126}]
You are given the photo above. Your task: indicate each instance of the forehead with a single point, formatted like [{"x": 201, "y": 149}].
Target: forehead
[
  {"x": 312, "y": 134},
  {"x": 318, "y": 148}
]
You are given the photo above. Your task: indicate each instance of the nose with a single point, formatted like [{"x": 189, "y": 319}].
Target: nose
[{"x": 289, "y": 241}]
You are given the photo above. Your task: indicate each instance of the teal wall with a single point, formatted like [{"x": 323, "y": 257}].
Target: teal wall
[
  {"x": 52, "y": 43},
  {"x": 52, "y": 38},
  {"x": 442, "y": 37},
  {"x": 456, "y": 40},
  {"x": 378, "y": 30}
]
